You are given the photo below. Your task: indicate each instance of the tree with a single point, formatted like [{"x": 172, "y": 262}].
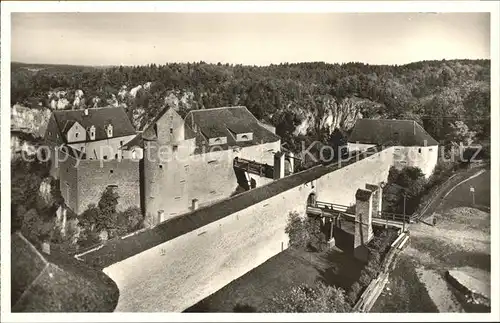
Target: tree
[
  {"x": 305, "y": 232},
  {"x": 129, "y": 220},
  {"x": 36, "y": 228},
  {"x": 460, "y": 133},
  {"x": 404, "y": 189},
  {"x": 297, "y": 233},
  {"x": 107, "y": 215}
]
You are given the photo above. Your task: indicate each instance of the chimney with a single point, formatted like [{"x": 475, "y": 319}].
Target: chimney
[
  {"x": 46, "y": 247},
  {"x": 160, "y": 216},
  {"x": 194, "y": 204},
  {"x": 279, "y": 165}
]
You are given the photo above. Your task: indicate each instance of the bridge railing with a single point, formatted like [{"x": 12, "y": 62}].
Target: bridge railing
[
  {"x": 394, "y": 216},
  {"x": 331, "y": 206},
  {"x": 263, "y": 170}
]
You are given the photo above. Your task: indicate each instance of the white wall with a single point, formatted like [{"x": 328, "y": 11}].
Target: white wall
[
  {"x": 179, "y": 273},
  {"x": 340, "y": 186},
  {"x": 424, "y": 158},
  {"x": 358, "y": 146}
]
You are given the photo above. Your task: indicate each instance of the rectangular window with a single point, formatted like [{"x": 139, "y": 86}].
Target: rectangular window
[
  {"x": 419, "y": 150},
  {"x": 175, "y": 147},
  {"x": 430, "y": 149},
  {"x": 171, "y": 131}
]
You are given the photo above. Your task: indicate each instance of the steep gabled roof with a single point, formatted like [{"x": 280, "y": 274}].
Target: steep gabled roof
[
  {"x": 56, "y": 283},
  {"x": 98, "y": 117},
  {"x": 149, "y": 132},
  {"x": 390, "y": 132},
  {"x": 223, "y": 122}
]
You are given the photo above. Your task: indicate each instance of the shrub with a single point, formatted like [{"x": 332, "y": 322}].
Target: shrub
[
  {"x": 297, "y": 233},
  {"x": 310, "y": 299},
  {"x": 353, "y": 293},
  {"x": 365, "y": 278},
  {"x": 304, "y": 233},
  {"x": 129, "y": 220},
  {"x": 377, "y": 248}
]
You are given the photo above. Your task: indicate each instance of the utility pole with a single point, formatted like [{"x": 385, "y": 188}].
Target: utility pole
[
  {"x": 472, "y": 190},
  {"x": 404, "y": 211}
]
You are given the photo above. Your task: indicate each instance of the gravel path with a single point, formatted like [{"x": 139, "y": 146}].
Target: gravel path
[
  {"x": 460, "y": 238},
  {"x": 439, "y": 291}
]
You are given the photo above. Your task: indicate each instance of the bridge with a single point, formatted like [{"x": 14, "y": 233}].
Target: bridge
[
  {"x": 253, "y": 167},
  {"x": 338, "y": 212}
]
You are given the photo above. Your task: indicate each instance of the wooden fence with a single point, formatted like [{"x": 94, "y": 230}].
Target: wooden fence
[{"x": 376, "y": 286}]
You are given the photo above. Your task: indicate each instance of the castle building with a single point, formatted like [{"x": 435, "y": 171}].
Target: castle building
[
  {"x": 86, "y": 156},
  {"x": 189, "y": 163},
  {"x": 413, "y": 146},
  {"x": 173, "y": 167}
]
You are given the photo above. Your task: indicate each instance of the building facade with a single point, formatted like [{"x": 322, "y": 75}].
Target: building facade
[
  {"x": 413, "y": 146},
  {"x": 189, "y": 163},
  {"x": 86, "y": 156},
  {"x": 174, "y": 166}
]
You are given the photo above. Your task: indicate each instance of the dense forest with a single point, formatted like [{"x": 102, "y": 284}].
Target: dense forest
[{"x": 304, "y": 100}]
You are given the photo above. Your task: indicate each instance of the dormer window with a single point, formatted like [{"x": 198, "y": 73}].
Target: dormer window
[
  {"x": 92, "y": 133},
  {"x": 109, "y": 130},
  {"x": 217, "y": 141},
  {"x": 244, "y": 136}
]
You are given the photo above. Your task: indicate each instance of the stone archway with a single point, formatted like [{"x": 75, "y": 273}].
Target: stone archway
[{"x": 311, "y": 199}]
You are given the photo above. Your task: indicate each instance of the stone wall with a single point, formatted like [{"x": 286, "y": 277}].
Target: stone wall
[
  {"x": 190, "y": 267},
  {"x": 68, "y": 179},
  {"x": 84, "y": 181},
  {"x": 94, "y": 176},
  {"x": 183, "y": 271},
  {"x": 340, "y": 186},
  {"x": 206, "y": 177}
]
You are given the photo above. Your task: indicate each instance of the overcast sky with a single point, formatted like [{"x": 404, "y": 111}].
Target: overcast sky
[{"x": 260, "y": 39}]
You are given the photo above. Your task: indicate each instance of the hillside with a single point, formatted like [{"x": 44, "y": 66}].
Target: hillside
[{"x": 304, "y": 101}]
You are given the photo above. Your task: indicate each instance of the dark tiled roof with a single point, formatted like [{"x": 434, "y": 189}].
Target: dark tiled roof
[
  {"x": 99, "y": 118},
  {"x": 226, "y": 122},
  {"x": 390, "y": 132},
  {"x": 120, "y": 249},
  {"x": 137, "y": 141},
  {"x": 56, "y": 283}
]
